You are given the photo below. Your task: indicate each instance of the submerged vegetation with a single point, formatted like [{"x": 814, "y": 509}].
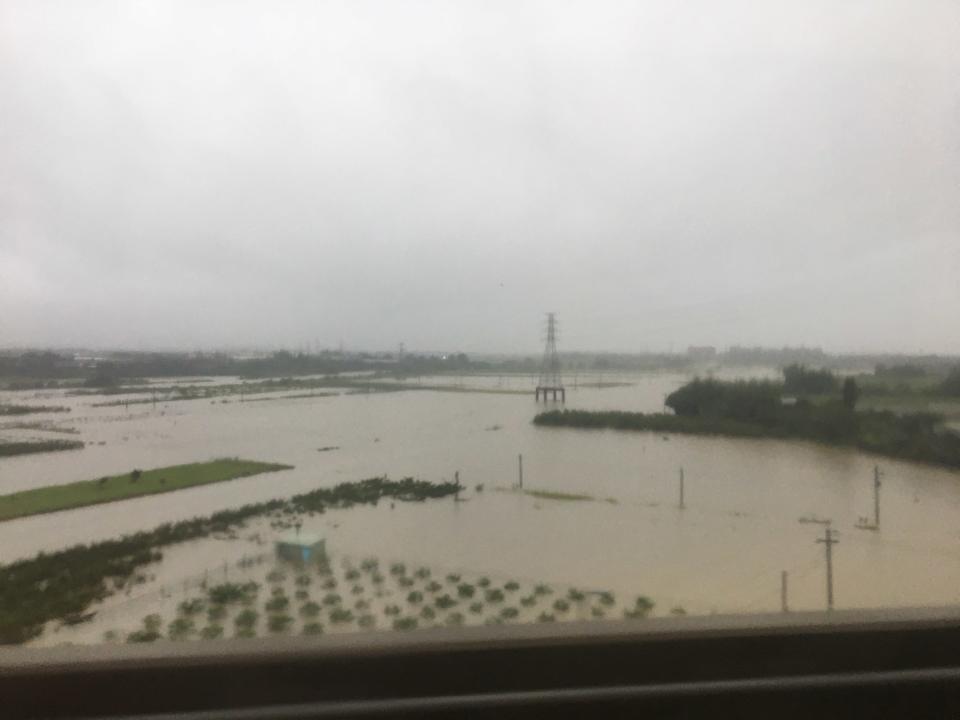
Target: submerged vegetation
[
  {"x": 54, "y": 498},
  {"x": 27, "y": 447},
  {"x": 29, "y": 409},
  {"x": 757, "y": 409},
  {"x": 61, "y": 585}
]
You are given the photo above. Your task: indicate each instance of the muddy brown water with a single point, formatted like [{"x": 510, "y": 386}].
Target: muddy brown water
[{"x": 723, "y": 553}]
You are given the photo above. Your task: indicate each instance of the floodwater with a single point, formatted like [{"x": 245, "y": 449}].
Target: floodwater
[{"x": 723, "y": 552}]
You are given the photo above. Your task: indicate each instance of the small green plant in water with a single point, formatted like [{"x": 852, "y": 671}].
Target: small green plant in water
[
  {"x": 152, "y": 622},
  {"x": 512, "y": 586},
  {"x": 434, "y": 586},
  {"x": 279, "y": 623},
  {"x": 310, "y": 610},
  {"x": 391, "y": 610},
  {"x": 494, "y": 596},
  {"x": 545, "y": 617},
  {"x": 561, "y": 606},
  {"x": 428, "y": 613},
  {"x": 406, "y": 623},
  {"x": 341, "y": 615},
  {"x": 509, "y": 613},
  {"x": 313, "y": 628},
  {"x": 445, "y": 602},
  {"x": 332, "y": 599},
  {"x": 476, "y": 608},
  {"x": 277, "y": 604},
  {"x": 212, "y": 632},
  {"x": 191, "y": 607},
  {"x": 415, "y": 597},
  {"x": 246, "y": 618},
  {"x": 466, "y": 590},
  {"x": 181, "y": 628},
  {"x": 542, "y": 590}
]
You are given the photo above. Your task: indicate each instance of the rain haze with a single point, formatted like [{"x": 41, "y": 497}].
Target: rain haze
[{"x": 205, "y": 174}]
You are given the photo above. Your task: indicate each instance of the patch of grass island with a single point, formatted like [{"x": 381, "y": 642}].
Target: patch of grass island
[{"x": 54, "y": 498}]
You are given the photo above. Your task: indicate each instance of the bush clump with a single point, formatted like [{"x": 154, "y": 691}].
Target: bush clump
[
  {"x": 494, "y": 596},
  {"x": 279, "y": 623},
  {"x": 405, "y": 623},
  {"x": 309, "y": 610},
  {"x": 340, "y": 615},
  {"x": 278, "y": 603},
  {"x": 313, "y": 628},
  {"x": 246, "y": 618},
  {"x": 212, "y": 632}
]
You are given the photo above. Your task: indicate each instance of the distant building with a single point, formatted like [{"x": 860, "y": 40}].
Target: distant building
[
  {"x": 702, "y": 352},
  {"x": 301, "y": 548}
]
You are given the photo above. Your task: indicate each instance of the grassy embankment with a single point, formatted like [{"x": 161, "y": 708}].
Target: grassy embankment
[
  {"x": 26, "y": 447},
  {"x": 61, "y": 585},
  {"x": 54, "y": 498},
  {"x": 756, "y": 409}
]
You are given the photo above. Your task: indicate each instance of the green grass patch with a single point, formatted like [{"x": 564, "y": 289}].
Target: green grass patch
[{"x": 54, "y": 498}]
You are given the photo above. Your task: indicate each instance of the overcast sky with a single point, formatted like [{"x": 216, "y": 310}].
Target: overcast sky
[{"x": 203, "y": 174}]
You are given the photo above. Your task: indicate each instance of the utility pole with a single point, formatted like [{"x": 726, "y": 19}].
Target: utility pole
[
  {"x": 876, "y": 496},
  {"x": 829, "y": 540},
  {"x": 682, "y": 506},
  {"x": 520, "y": 467},
  {"x": 783, "y": 591}
]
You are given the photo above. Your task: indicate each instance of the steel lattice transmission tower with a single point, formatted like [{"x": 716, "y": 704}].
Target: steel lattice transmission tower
[{"x": 551, "y": 382}]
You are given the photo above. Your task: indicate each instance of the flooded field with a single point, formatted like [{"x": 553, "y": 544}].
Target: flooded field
[{"x": 723, "y": 552}]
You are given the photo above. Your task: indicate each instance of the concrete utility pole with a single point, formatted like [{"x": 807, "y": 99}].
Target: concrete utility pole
[
  {"x": 783, "y": 592},
  {"x": 520, "y": 468},
  {"x": 829, "y": 540},
  {"x": 876, "y": 496},
  {"x": 682, "y": 506}
]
